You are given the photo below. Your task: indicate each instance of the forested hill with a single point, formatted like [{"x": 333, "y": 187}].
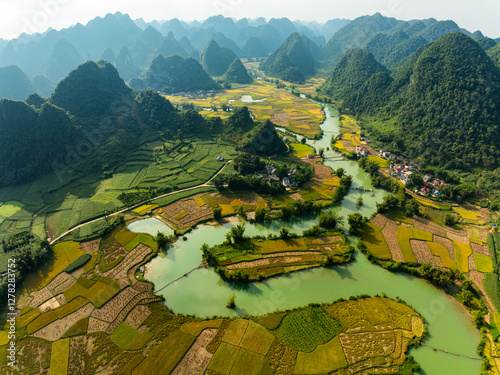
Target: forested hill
[
  {"x": 175, "y": 74},
  {"x": 352, "y": 71},
  {"x": 236, "y": 73},
  {"x": 443, "y": 104},
  {"x": 93, "y": 122},
  {"x": 91, "y": 90},
  {"x": 216, "y": 59},
  {"x": 292, "y": 61}
]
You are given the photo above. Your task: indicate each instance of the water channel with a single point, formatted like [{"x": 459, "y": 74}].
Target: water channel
[{"x": 204, "y": 294}]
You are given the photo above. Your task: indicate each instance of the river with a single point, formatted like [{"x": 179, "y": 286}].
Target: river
[{"x": 204, "y": 294}]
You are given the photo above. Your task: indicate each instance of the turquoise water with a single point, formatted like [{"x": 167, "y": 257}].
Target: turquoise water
[
  {"x": 203, "y": 293},
  {"x": 150, "y": 226}
]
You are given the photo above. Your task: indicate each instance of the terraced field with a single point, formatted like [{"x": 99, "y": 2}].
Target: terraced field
[
  {"x": 417, "y": 241},
  {"x": 49, "y": 207},
  {"x": 259, "y": 258},
  {"x": 101, "y": 315}
]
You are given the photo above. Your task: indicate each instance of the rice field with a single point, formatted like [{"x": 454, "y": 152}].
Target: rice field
[
  {"x": 280, "y": 106},
  {"x": 300, "y": 150},
  {"x": 49, "y": 207},
  {"x": 373, "y": 239},
  {"x": 462, "y": 253},
  {"x": 64, "y": 254}
]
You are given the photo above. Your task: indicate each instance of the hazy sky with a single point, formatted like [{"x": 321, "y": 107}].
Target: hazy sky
[{"x": 17, "y": 16}]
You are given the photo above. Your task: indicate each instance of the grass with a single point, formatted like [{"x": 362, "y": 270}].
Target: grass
[
  {"x": 257, "y": 339},
  {"x": 143, "y": 238},
  {"x": 404, "y": 236},
  {"x": 165, "y": 356},
  {"x": 483, "y": 263},
  {"x": 441, "y": 251},
  {"x": 124, "y": 335},
  {"x": 323, "y": 360},
  {"x": 490, "y": 283},
  {"x": 59, "y": 357},
  {"x": 300, "y": 150},
  {"x": 125, "y": 236},
  {"x": 462, "y": 253},
  {"x": 373, "y": 239},
  {"x": 10, "y": 208},
  {"x": 305, "y": 329},
  {"x": 64, "y": 254}
]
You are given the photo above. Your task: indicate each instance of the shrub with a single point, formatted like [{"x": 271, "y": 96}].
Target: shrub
[{"x": 79, "y": 262}]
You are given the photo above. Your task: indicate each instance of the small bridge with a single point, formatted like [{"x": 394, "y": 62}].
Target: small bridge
[
  {"x": 180, "y": 277},
  {"x": 455, "y": 354}
]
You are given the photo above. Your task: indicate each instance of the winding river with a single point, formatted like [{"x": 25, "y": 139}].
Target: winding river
[{"x": 204, "y": 294}]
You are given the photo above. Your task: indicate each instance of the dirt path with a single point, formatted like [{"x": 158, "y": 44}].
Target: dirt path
[{"x": 139, "y": 204}]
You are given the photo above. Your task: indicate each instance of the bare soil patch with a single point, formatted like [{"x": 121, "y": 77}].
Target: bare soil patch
[
  {"x": 90, "y": 246},
  {"x": 379, "y": 220},
  {"x": 428, "y": 226},
  {"x": 196, "y": 360},
  {"x": 446, "y": 243},
  {"x": 422, "y": 252},
  {"x": 390, "y": 235},
  {"x": 55, "y": 330},
  {"x": 137, "y": 316}
]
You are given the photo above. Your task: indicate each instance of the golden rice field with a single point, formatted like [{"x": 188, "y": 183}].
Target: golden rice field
[
  {"x": 424, "y": 241},
  {"x": 278, "y": 105}
]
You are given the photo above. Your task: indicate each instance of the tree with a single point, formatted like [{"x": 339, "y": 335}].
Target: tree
[
  {"x": 260, "y": 215},
  {"x": 303, "y": 141},
  {"x": 411, "y": 207},
  {"x": 179, "y": 134},
  {"x": 237, "y": 233},
  {"x": 339, "y": 194},
  {"x": 161, "y": 240},
  {"x": 284, "y": 233},
  {"x": 359, "y": 202},
  {"x": 340, "y": 172},
  {"x": 321, "y": 152},
  {"x": 241, "y": 212},
  {"x": 466, "y": 296},
  {"x": 281, "y": 171},
  {"x": 330, "y": 219},
  {"x": 416, "y": 180},
  {"x": 217, "y": 212},
  {"x": 231, "y": 304},
  {"x": 450, "y": 219},
  {"x": 355, "y": 221}
]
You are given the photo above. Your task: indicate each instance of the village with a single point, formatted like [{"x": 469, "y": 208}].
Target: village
[{"x": 401, "y": 168}]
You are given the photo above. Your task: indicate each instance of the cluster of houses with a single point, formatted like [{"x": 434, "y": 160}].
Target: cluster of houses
[
  {"x": 362, "y": 151},
  {"x": 405, "y": 167},
  {"x": 194, "y": 94},
  {"x": 270, "y": 175}
]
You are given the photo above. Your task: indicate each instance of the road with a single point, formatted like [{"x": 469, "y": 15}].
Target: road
[{"x": 139, "y": 204}]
